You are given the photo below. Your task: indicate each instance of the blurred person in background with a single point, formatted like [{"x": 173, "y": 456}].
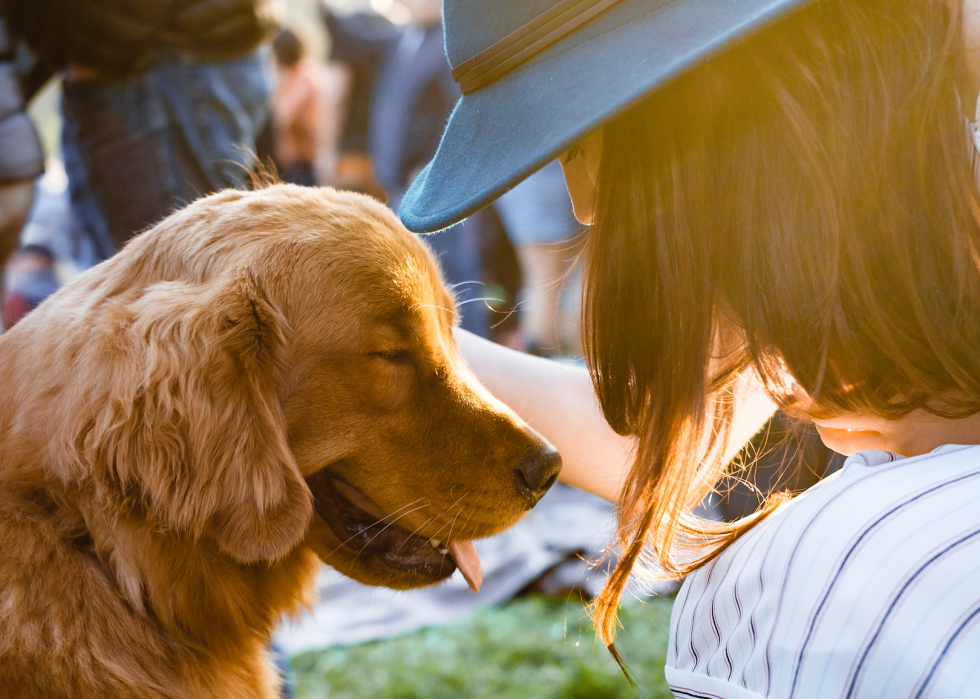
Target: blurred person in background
[
  {"x": 163, "y": 100},
  {"x": 537, "y": 215},
  {"x": 53, "y": 249},
  {"x": 30, "y": 279},
  {"x": 359, "y": 42},
  {"x": 21, "y": 158},
  {"x": 299, "y": 119},
  {"x": 48, "y": 245}
]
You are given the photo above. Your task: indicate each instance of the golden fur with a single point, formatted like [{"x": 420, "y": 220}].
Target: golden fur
[{"x": 163, "y": 413}]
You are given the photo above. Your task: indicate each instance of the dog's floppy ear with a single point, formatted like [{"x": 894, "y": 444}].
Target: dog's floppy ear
[{"x": 193, "y": 433}]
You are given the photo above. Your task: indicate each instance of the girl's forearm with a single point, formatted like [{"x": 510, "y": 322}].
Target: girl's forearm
[{"x": 558, "y": 401}]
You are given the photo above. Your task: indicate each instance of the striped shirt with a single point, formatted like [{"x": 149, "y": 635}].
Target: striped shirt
[{"x": 867, "y": 586}]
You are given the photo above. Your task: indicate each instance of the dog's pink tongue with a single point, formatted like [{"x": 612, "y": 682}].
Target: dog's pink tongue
[{"x": 468, "y": 562}]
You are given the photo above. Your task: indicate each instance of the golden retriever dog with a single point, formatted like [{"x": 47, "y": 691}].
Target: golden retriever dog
[{"x": 262, "y": 379}]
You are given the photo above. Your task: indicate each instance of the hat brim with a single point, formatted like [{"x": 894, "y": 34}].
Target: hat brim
[{"x": 507, "y": 130}]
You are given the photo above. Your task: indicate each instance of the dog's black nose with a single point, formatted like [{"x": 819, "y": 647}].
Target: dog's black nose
[{"x": 539, "y": 473}]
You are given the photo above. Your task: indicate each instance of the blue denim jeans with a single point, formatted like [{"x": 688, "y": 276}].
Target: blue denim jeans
[{"x": 138, "y": 147}]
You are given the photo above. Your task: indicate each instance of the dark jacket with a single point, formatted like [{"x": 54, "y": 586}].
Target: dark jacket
[
  {"x": 414, "y": 94},
  {"x": 361, "y": 42},
  {"x": 117, "y": 37}
]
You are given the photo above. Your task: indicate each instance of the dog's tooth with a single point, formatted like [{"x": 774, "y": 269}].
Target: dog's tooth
[{"x": 436, "y": 544}]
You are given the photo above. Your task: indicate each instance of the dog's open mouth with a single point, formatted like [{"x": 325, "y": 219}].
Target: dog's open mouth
[{"x": 363, "y": 528}]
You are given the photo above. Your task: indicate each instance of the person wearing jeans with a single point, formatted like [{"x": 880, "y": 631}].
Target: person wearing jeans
[
  {"x": 139, "y": 147},
  {"x": 163, "y": 101}
]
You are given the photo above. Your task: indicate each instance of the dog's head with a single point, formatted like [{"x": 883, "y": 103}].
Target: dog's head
[{"x": 286, "y": 373}]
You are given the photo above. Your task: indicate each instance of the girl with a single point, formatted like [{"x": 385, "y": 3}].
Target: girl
[{"x": 782, "y": 203}]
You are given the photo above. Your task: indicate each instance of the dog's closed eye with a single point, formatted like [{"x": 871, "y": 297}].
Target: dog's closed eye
[{"x": 393, "y": 355}]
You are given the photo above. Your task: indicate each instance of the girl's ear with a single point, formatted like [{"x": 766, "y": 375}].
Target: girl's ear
[
  {"x": 581, "y": 167},
  {"x": 193, "y": 432}
]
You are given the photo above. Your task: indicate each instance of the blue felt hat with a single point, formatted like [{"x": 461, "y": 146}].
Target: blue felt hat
[{"x": 538, "y": 75}]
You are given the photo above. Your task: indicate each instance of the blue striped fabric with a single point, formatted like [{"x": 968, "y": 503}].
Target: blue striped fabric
[{"x": 865, "y": 587}]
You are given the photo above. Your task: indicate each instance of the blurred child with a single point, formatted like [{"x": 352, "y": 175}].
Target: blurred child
[{"x": 298, "y": 118}]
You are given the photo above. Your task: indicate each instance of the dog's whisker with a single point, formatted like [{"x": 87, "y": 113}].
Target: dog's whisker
[
  {"x": 455, "y": 286},
  {"x": 350, "y": 538},
  {"x": 468, "y": 517},
  {"x": 449, "y": 508},
  {"x": 416, "y": 532},
  {"x": 392, "y": 514},
  {"x": 388, "y": 524},
  {"x": 443, "y": 528},
  {"x": 439, "y": 531},
  {"x": 478, "y": 298},
  {"x": 432, "y": 305},
  {"x": 452, "y": 525},
  {"x": 458, "y": 513}
]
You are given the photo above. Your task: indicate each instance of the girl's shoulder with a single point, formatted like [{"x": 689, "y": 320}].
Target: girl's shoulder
[{"x": 870, "y": 580}]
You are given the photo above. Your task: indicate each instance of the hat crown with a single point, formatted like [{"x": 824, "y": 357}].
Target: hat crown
[
  {"x": 473, "y": 26},
  {"x": 521, "y": 65}
]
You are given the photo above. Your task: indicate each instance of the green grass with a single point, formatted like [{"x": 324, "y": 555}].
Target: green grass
[{"x": 533, "y": 647}]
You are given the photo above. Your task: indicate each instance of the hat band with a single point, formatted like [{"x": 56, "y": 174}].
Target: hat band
[{"x": 531, "y": 39}]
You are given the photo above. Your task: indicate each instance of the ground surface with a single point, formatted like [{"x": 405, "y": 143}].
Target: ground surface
[{"x": 533, "y": 647}]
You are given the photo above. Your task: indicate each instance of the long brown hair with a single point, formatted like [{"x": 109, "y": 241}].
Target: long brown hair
[{"x": 801, "y": 205}]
